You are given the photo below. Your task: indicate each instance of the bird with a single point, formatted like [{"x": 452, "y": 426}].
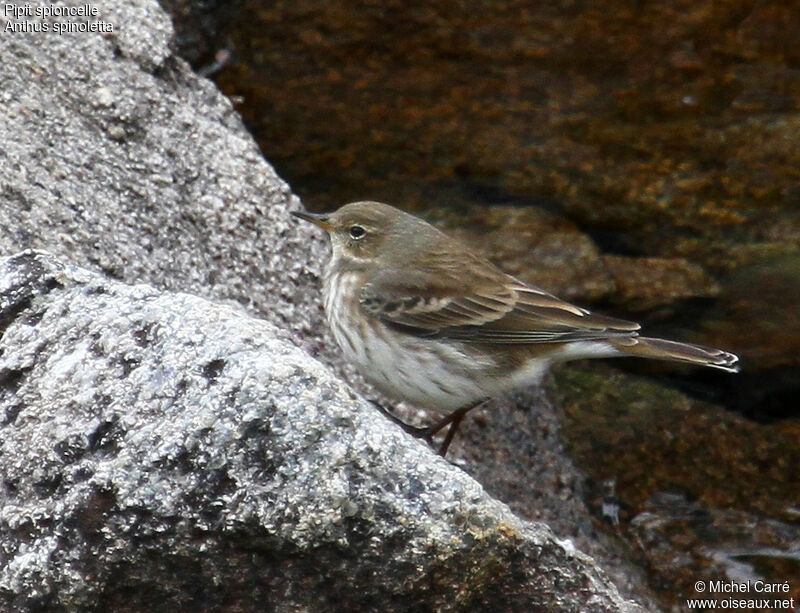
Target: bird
[{"x": 428, "y": 321}]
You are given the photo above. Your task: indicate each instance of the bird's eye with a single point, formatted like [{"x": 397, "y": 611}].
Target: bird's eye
[{"x": 357, "y": 232}]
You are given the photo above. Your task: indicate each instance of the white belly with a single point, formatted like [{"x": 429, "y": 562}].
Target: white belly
[{"x": 405, "y": 367}]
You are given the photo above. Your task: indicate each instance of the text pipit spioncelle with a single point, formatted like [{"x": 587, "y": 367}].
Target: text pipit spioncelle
[{"x": 426, "y": 320}]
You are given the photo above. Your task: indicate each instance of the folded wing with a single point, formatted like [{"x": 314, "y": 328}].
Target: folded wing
[{"x": 491, "y": 307}]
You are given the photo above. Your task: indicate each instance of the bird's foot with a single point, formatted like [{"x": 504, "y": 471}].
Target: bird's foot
[{"x": 427, "y": 433}]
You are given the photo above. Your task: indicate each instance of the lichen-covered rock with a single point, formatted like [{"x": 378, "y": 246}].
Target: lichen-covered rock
[{"x": 164, "y": 453}]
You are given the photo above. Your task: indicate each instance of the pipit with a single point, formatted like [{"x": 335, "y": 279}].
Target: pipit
[{"x": 427, "y": 321}]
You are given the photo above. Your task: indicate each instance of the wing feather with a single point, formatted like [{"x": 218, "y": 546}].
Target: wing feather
[{"x": 497, "y": 309}]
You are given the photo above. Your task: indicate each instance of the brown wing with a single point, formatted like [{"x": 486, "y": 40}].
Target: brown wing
[{"x": 492, "y": 308}]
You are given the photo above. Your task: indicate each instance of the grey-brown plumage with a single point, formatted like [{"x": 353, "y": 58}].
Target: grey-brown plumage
[{"x": 427, "y": 320}]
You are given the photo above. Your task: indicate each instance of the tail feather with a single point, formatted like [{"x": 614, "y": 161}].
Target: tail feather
[{"x": 661, "y": 349}]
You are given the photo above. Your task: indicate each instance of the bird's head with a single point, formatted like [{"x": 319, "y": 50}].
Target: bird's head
[{"x": 374, "y": 233}]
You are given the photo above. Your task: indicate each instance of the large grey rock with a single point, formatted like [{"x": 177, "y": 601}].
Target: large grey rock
[
  {"x": 164, "y": 453},
  {"x": 116, "y": 155}
]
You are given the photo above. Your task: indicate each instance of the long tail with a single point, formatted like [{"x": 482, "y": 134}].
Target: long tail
[{"x": 661, "y": 349}]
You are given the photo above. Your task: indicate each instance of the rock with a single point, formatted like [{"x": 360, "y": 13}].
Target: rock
[
  {"x": 552, "y": 253},
  {"x": 684, "y": 539},
  {"x": 643, "y": 284},
  {"x": 533, "y": 245},
  {"x": 202, "y": 29},
  {"x": 164, "y": 453},
  {"x": 668, "y": 143},
  {"x": 118, "y": 157},
  {"x": 761, "y": 314},
  {"x": 683, "y": 473}
]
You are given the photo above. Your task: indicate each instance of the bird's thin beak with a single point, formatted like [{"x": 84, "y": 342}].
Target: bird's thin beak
[{"x": 318, "y": 219}]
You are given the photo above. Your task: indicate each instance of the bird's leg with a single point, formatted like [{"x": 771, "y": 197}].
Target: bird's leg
[
  {"x": 451, "y": 431},
  {"x": 453, "y": 420},
  {"x": 414, "y": 431}
]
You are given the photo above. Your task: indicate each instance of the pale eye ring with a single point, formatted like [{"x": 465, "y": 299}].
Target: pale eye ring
[{"x": 357, "y": 232}]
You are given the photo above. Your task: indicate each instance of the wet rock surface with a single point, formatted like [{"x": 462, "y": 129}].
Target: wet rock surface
[
  {"x": 719, "y": 544},
  {"x": 702, "y": 492}
]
